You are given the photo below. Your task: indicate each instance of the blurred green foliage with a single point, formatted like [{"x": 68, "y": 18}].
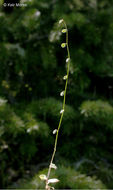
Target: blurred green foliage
[
  {"x": 69, "y": 179},
  {"x": 100, "y": 112},
  {"x": 32, "y": 66}
]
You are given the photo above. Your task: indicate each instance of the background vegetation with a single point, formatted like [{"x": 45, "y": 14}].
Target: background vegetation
[{"x": 32, "y": 65}]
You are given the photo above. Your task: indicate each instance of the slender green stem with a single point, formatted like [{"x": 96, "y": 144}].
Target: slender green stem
[{"x": 63, "y": 107}]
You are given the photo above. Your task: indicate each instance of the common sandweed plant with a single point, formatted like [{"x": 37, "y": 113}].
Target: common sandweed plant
[{"x": 46, "y": 178}]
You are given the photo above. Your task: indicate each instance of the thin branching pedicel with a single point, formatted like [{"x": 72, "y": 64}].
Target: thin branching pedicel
[{"x": 63, "y": 93}]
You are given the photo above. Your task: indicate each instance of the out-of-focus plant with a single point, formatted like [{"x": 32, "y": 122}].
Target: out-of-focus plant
[
  {"x": 69, "y": 179},
  {"x": 100, "y": 112}
]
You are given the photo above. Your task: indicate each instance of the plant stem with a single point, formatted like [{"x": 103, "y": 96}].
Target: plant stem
[{"x": 63, "y": 107}]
